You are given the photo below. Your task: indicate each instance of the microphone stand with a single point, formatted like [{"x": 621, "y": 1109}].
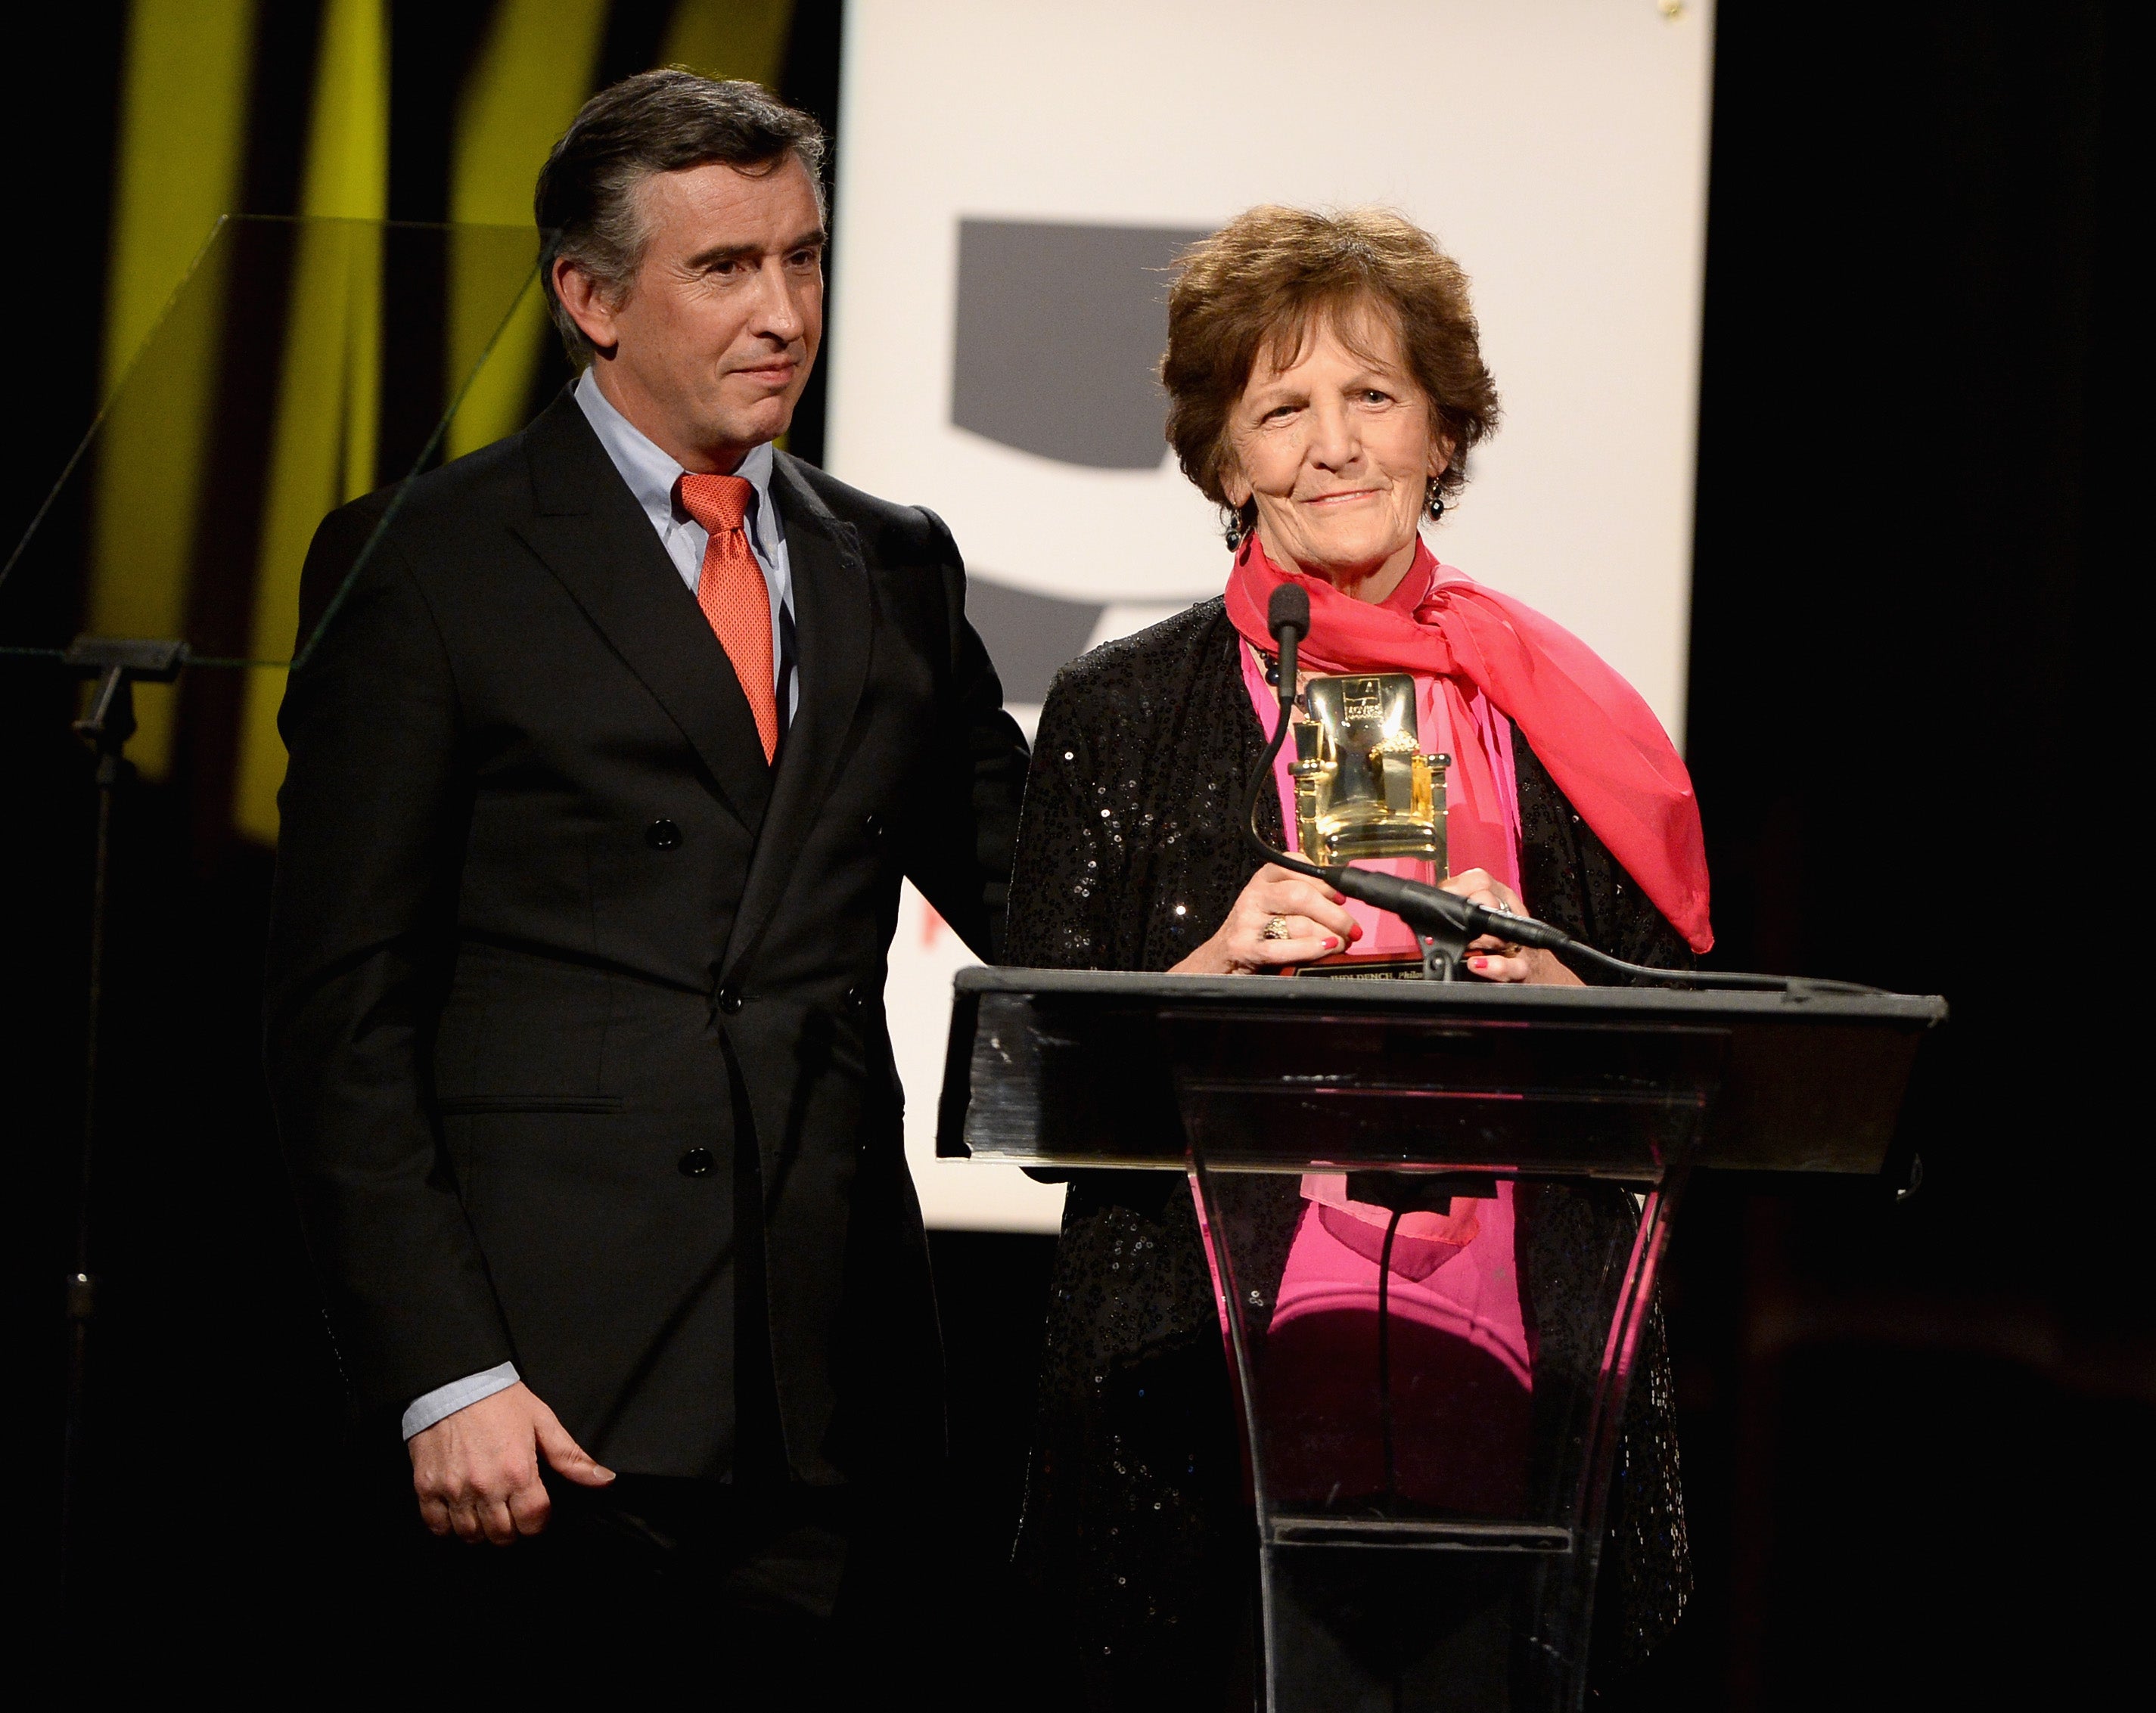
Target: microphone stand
[
  {"x": 116, "y": 664},
  {"x": 1444, "y": 925}
]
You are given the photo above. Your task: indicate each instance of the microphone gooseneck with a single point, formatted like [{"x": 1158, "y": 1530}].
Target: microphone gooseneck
[
  {"x": 1444, "y": 924},
  {"x": 1287, "y": 616}
]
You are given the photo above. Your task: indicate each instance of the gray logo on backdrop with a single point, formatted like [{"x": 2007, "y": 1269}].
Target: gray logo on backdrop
[{"x": 1060, "y": 330}]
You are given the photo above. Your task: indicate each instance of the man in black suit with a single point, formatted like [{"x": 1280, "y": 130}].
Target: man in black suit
[{"x": 604, "y": 776}]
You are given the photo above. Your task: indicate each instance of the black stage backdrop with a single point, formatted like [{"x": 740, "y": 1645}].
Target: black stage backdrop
[{"x": 1917, "y": 1434}]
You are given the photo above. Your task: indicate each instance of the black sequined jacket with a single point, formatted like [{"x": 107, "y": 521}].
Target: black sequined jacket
[{"x": 1134, "y": 1550}]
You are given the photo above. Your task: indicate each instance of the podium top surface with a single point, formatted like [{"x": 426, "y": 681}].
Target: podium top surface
[
  {"x": 1076, "y": 1069},
  {"x": 1200, "y": 994}
]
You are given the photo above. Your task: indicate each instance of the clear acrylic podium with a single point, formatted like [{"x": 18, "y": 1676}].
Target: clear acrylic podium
[{"x": 1430, "y": 1411}]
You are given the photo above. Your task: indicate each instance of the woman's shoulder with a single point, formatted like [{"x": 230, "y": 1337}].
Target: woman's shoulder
[{"x": 1161, "y": 659}]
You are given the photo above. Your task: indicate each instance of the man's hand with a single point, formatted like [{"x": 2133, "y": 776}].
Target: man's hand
[{"x": 477, "y": 1472}]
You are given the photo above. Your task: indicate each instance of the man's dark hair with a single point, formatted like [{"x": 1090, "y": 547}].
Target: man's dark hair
[{"x": 657, "y": 121}]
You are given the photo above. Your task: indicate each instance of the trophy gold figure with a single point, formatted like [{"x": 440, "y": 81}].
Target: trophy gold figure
[{"x": 1364, "y": 786}]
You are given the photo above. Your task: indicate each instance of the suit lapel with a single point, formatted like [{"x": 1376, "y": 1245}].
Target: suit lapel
[
  {"x": 835, "y": 619},
  {"x": 588, "y": 531}
]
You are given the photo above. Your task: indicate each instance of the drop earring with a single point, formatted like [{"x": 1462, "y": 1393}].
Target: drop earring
[{"x": 1433, "y": 500}]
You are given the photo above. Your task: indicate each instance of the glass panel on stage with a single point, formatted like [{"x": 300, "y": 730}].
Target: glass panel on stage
[
  {"x": 1431, "y": 1339},
  {"x": 1433, "y": 1212},
  {"x": 301, "y": 363}
]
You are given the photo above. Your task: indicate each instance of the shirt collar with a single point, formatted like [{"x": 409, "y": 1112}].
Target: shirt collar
[{"x": 652, "y": 473}]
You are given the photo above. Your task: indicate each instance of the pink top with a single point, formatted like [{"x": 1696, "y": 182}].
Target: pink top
[{"x": 1472, "y": 1293}]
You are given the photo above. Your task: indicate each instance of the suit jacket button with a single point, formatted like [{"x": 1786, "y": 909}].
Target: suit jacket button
[
  {"x": 696, "y": 1163},
  {"x": 662, "y": 835},
  {"x": 858, "y": 998},
  {"x": 730, "y": 1000}
]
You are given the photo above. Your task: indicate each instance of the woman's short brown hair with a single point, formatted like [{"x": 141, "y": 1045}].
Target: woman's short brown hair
[{"x": 1269, "y": 277}]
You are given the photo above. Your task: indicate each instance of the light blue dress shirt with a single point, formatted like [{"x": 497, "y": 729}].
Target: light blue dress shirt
[{"x": 654, "y": 478}]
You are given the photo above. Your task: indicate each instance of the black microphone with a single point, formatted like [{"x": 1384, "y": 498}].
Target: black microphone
[
  {"x": 1287, "y": 616},
  {"x": 1428, "y": 910}
]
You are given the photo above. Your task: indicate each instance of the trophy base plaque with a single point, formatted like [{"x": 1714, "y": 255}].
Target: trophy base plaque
[{"x": 1340, "y": 967}]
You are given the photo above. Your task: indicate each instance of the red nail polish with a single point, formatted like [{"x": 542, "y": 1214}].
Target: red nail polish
[
  {"x": 1355, "y": 932},
  {"x": 1331, "y": 944},
  {"x": 1478, "y": 964}
]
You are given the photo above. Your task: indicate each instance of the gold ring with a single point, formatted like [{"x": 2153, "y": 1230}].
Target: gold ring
[{"x": 1275, "y": 929}]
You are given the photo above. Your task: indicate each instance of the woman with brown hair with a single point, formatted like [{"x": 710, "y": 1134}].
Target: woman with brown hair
[{"x": 1327, "y": 390}]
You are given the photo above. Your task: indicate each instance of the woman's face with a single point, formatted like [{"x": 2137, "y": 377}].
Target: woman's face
[{"x": 1337, "y": 450}]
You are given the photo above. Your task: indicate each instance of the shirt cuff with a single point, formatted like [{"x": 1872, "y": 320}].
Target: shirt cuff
[{"x": 447, "y": 1400}]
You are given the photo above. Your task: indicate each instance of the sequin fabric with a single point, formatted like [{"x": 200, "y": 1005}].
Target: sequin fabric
[{"x": 1136, "y": 1549}]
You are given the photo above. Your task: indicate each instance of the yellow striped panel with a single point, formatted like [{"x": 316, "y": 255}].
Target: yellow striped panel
[
  {"x": 535, "y": 71},
  {"x": 323, "y": 445},
  {"x": 180, "y": 154},
  {"x": 744, "y": 38}
]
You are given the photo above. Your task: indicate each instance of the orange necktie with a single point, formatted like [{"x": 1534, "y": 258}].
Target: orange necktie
[{"x": 732, "y": 591}]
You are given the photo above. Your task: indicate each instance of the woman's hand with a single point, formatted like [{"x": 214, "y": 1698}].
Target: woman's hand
[
  {"x": 1312, "y": 919},
  {"x": 1495, "y": 960}
]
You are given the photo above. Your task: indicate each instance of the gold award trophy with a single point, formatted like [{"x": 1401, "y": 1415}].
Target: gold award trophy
[{"x": 1364, "y": 787}]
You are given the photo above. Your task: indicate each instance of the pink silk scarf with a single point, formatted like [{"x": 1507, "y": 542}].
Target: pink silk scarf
[{"x": 1593, "y": 732}]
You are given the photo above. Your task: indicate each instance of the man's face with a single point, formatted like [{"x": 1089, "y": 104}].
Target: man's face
[{"x": 708, "y": 351}]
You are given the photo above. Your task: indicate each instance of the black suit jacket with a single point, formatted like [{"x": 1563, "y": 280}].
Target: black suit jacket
[{"x": 566, "y": 985}]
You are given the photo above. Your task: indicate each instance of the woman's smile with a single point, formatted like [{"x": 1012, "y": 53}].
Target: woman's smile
[{"x": 1343, "y": 499}]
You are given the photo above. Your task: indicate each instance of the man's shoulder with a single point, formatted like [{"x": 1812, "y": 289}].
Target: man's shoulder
[
  {"x": 438, "y": 524},
  {"x": 495, "y": 479},
  {"x": 886, "y": 529},
  {"x": 555, "y": 452}
]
